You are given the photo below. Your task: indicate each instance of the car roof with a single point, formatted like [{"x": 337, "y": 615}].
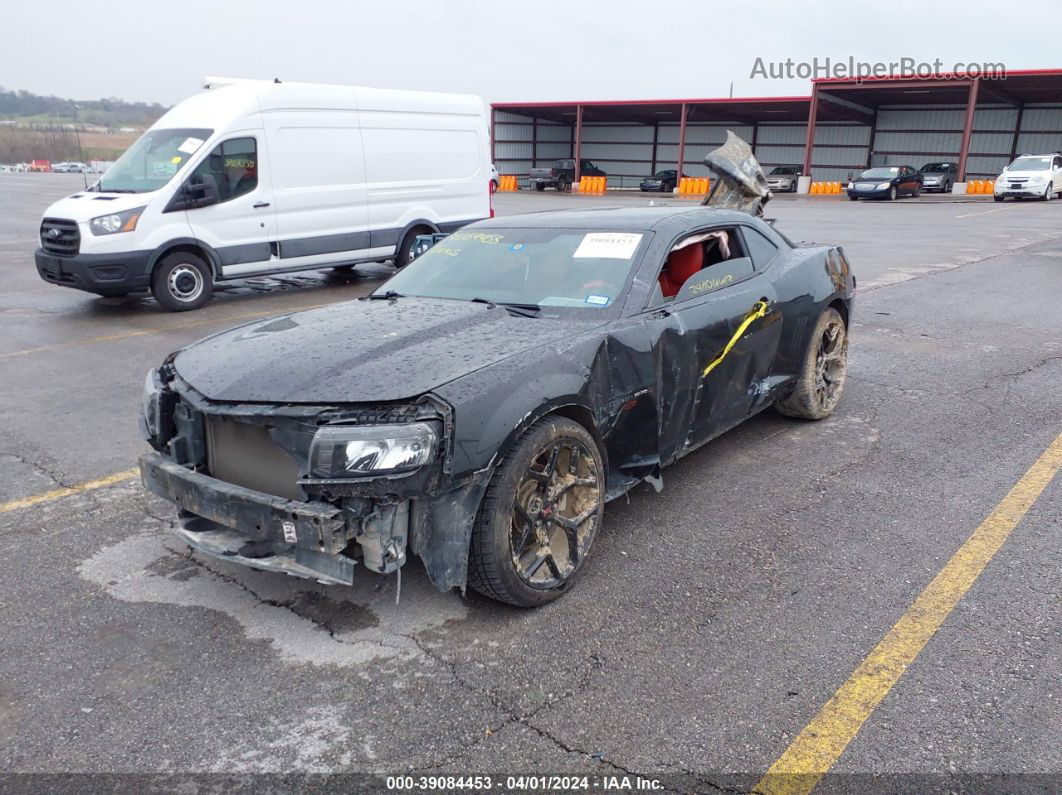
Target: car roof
[{"x": 616, "y": 218}]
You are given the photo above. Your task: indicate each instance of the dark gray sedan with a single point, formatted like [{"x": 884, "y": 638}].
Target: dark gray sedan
[{"x": 481, "y": 406}]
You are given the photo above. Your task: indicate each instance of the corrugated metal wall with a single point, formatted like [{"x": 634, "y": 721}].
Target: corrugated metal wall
[{"x": 911, "y": 135}]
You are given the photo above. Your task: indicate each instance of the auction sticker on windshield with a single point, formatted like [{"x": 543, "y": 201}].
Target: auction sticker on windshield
[
  {"x": 190, "y": 145},
  {"x": 608, "y": 245}
]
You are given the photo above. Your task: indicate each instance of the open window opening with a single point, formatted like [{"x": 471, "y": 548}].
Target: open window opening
[{"x": 694, "y": 254}]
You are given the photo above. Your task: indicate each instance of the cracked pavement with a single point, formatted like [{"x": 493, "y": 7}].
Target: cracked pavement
[{"x": 712, "y": 622}]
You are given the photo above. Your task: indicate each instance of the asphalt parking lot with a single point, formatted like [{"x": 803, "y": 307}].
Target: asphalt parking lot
[{"x": 711, "y": 626}]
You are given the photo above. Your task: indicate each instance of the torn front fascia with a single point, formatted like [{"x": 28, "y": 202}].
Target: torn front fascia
[{"x": 379, "y": 514}]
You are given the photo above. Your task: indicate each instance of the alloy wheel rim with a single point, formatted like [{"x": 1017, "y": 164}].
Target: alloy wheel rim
[
  {"x": 555, "y": 514},
  {"x": 831, "y": 364},
  {"x": 185, "y": 283}
]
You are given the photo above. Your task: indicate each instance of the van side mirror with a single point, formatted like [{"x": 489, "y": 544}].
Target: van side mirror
[{"x": 197, "y": 191}]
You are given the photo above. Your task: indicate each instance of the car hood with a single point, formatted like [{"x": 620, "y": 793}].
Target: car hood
[
  {"x": 362, "y": 351},
  {"x": 1023, "y": 174},
  {"x": 85, "y": 205}
]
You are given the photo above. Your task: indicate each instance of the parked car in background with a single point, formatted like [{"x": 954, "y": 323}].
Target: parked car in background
[
  {"x": 257, "y": 178},
  {"x": 561, "y": 174},
  {"x": 886, "y": 182},
  {"x": 663, "y": 181},
  {"x": 783, "y": 179},
  {"x": 70, "y": 168},
  {"x": 1030, "y": 177},
  {"x": 939, "y": 176},
  {"x": 494, "y": 181}
]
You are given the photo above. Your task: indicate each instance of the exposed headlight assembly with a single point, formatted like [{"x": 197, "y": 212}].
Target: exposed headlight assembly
[
  {"x": 150, "y": 425},
  {"x": 346, "y": 451},
  {"x": 124, "y": 221}
]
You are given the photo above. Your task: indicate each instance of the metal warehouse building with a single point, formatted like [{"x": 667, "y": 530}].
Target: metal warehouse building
[{"x": 845, "y": 125}]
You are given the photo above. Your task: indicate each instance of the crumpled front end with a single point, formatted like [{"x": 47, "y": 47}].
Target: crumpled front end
[{"x": 262, "y": 486}]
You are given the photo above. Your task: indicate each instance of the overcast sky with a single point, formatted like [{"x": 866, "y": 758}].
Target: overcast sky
[{"x": 503, "y": 51}]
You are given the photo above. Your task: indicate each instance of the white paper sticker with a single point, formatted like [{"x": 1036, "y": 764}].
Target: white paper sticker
[
  {"x": 190, "y": 145},
  {"x": 289, "y": 532},
  {"x": 608, "y": 245}
]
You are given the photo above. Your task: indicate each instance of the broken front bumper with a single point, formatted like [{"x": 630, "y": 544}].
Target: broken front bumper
[{"x": 249, "y": 527}]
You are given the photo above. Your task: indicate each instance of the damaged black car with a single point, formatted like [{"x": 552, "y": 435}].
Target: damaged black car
[{"x": 481, "y": 407}]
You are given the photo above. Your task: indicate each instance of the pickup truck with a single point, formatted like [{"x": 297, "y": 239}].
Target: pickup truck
[{"x": 562, "y": 174}]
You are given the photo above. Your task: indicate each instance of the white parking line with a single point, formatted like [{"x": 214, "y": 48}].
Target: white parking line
[{"x": 986, "y": 212}]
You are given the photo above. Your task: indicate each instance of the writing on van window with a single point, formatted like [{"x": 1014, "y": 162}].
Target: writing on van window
[{"x": 233, "y": 167}]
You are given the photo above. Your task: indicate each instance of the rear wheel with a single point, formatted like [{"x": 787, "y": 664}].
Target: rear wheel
[
  {"x": 405, "y": 253},
  {"x": 182, "y": 281},
  {"x": 539, "y": 516},
  {"x": 822, "y": 374}
]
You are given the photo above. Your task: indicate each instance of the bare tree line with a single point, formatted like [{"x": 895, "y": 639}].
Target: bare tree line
[{"x": 25, "y": 144}]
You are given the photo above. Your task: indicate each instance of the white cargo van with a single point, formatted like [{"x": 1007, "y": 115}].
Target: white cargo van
[{"x": 251, "y": 178}]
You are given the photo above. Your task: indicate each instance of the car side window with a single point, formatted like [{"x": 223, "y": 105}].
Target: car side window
[
  {"x": 707, "y": 260},
  {"x": 234, "y": 166},
  {"x": 760, "y": 248}
]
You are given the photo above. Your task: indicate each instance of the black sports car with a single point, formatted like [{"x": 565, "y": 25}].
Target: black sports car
[{"x": 483, "y": 404}]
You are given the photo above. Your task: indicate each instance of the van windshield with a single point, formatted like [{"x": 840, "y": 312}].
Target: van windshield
[{"x": 153, "y": 160}]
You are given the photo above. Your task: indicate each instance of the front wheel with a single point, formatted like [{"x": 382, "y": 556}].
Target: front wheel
[
  {"x": 917, "y": 191},
  {"x": 540, "y": 186},
  {"x": 892, "y": 193},
  {"x": 822, "y": 373},
  {"x": 999, "y": 198},
  {"x": 182, "y": 281},
  {"x": 563, "y": 185},
  {"x": 406, "y": 253},
  {"x": 539, "y": 516},
  {"x": 1048, "y": 192}
]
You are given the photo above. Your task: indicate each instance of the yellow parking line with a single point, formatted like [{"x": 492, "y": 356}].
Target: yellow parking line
[
  {"x": 49, "y": 496},
  {"x": 815, "y": 750},
  {"x": 203, "y": 321}
]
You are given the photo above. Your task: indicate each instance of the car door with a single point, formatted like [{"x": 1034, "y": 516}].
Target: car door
[
  {"x": 240, "y": 226},
  {"x": 1056, "y": 167},
  {"x": 711, "y": 352}
]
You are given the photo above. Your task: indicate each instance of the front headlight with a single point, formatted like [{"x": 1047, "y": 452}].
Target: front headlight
[
  {"x": 344, "y": 451},
  {"x": 884, "y": 185},
  {"x": 149, "y": 406},
  {"x": 849, "y": 186},
  {"x": 124, "y": 221},
  {"x": 1036, "y": 179}
]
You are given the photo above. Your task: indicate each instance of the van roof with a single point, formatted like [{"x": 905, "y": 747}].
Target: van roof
[{"x": 223, "y": 106}]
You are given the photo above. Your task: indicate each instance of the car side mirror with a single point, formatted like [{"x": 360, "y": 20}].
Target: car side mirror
[
  {"x": 715, "y": 277},
  {"x": 197, "y": 191}
]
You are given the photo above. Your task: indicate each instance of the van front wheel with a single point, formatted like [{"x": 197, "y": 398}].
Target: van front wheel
[
  {"x": 182, "y": 281},
  {"x": 405, "y": 253}
]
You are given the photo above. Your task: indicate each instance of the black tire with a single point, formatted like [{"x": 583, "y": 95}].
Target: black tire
[
  {"x": 793, "y": 186},
  {"x": 540, "y": 186},
  {"x": 854, "y": 198},
  {"x": 892, "y": 193},
  {"x": 820, "y": 381},
  {"x": 563, "y": 186},
  {"x": 999, "y": 198},
  {"x": 404, "y": 254},
  {"x": 917, "y": 192},
  {"x": 946, "y": 188},
  {"x": 494, "y": 186},
  {"x": 1048, "y": 194},
  {"x": 667, "y": 187},
  {"x": 518, "y": 535},
  {"x": 182, "y": 281}
]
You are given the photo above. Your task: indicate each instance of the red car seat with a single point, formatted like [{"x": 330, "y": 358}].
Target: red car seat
[{"x": 680, "y": 265}]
